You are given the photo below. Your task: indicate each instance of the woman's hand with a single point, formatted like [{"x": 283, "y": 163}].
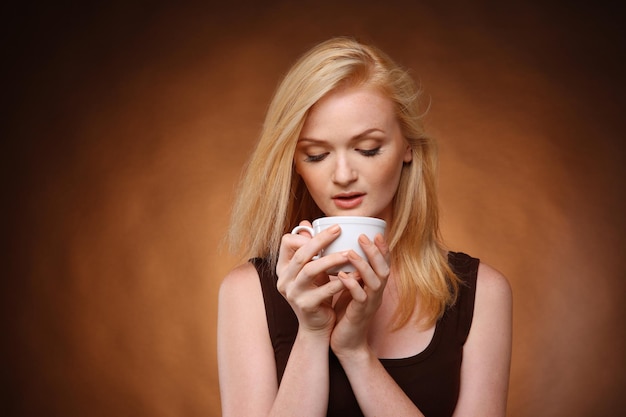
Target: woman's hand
[
  {"x": 303, "y": 281},
  {"x": 356, "y": 307}
]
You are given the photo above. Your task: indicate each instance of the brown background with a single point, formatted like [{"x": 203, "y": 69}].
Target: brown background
[{"x": 125, "y": 130}]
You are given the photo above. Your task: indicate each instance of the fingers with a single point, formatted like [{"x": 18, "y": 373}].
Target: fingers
[
  {"x": 303, "y": 282},
  {"x": 301, "y": 248},
  {"x": 299, "y": 253},
  {"x": 377, "y": 253},
  {"x": 382, "y": 246},
  {"x": 309, "y": 301},
  {"x": 328, "y": 290},
  {"x": 296, "y": 273},
  {"x": 353, "y": 286},
  {"x": 317, "y": 243},
  {"x": 375, "y": 270}
]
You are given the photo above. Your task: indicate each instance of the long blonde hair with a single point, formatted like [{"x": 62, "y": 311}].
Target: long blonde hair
[{"x": 272, "y": 197}]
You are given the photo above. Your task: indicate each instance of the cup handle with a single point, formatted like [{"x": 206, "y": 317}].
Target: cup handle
[{"x": 298, "y": 229}]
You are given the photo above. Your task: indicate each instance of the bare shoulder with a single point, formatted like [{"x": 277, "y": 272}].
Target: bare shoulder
[
  {"x": 246, "y": 366},
  {"x": 240, "y": 293},
  {"x": 243, "y": 279},
  {"x": 487, "y": 351},
  {"x": 494, "y": 297},
  {"x": 492, "y": 285}
]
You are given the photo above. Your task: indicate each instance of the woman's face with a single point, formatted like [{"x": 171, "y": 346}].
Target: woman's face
[{"x": 350, "y": 153}]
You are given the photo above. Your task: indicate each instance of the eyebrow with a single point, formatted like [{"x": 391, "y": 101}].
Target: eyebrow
[{"x": 352, "y": 139}]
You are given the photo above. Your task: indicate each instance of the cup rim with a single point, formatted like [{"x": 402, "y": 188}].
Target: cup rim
[{"x": 349, "y": 220}]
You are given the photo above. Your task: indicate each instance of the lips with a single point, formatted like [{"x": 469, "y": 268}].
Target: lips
[{"x": 348, "y": 200}]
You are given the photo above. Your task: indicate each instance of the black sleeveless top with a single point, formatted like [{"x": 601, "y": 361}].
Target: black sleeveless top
[{"x": 431, "y": 378}]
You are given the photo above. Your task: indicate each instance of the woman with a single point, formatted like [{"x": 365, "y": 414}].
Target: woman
[{"x": 416, "y": 330}]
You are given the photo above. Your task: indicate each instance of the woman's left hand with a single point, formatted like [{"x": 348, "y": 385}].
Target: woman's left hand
[{"x": 358, "y": 304}]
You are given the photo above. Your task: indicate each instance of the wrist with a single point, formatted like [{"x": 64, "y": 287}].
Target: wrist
[
  {"x": 356, "y": 356},
  {"x": 313, "y": 336}
]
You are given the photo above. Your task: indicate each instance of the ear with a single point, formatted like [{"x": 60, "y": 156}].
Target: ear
[{"x": 408, "y": 154}]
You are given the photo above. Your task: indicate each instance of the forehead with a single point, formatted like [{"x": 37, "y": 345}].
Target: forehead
[{"x": 349, "y": 111}]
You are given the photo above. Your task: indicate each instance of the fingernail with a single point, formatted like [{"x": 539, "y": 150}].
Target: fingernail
[
  {"x": 364, "y": 239},
  {"x": 334, "y": 229},
  {"x": 353, "y": 255}
]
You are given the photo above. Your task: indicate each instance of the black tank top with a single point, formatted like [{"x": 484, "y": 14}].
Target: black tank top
[{"x": 431, "y": 378}]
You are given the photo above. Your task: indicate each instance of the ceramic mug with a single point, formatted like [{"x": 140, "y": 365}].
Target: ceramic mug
[{"x": 351, "y": 228}]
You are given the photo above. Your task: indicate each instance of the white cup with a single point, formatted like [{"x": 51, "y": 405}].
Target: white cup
[{"x": 351, "y": 228}]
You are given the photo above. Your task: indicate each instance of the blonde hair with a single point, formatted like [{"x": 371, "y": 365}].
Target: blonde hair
[{"x": 273, "y": 198}]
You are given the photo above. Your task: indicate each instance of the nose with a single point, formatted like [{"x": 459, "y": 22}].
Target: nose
[{"x": 344, "y": 172}]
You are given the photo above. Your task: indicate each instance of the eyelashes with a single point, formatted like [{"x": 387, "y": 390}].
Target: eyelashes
[
  {"x": 365, "y": 152},
  {"x": 369, "y": 152},
  {"x": 316, "y": 158}
]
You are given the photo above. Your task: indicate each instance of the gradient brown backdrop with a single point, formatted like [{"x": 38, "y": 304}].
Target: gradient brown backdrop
[{"x": 126, "y": 128}]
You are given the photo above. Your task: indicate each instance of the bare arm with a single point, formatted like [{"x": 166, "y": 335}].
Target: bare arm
[
  {"x": 487, "y": 351},
  {"x": 247, "y": 369},
  {"x": 484, "y": 370}
]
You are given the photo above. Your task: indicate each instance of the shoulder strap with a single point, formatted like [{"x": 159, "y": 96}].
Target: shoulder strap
[
  {"x": 282, "y": 322},
  {"x": 466, "y": 268}
]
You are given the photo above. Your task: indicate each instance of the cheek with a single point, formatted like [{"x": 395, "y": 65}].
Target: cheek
[
  {"x": 388, "y": 176},
  {"x": 312, "y": 180}
]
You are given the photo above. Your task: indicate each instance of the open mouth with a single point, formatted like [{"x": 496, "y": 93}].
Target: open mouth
[{"x": 348, "y": 200}]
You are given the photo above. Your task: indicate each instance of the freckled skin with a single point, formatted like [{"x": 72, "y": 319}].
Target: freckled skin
[{"x": 350, "y": 153}]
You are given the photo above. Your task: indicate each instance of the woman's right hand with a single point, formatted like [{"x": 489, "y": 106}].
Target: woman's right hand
[{"x": 304, "y": 282}]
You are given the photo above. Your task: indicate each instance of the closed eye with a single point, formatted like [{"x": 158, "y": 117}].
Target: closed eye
[
  {"x": 369, "y": 152},
  {"x": 316, "y": 158}
]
